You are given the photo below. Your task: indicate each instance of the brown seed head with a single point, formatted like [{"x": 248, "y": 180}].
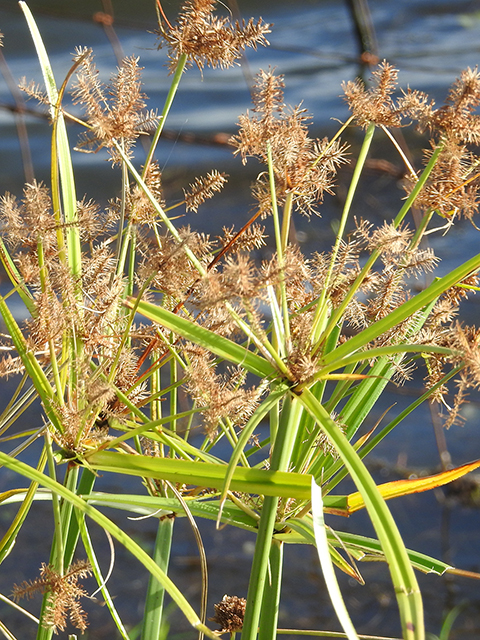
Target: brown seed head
[
  {"x": 207, "y": 39},
  {"x": 229, "y": 613}
]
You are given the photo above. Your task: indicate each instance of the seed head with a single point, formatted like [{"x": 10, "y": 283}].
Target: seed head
[{"x": 207, "y": 39}]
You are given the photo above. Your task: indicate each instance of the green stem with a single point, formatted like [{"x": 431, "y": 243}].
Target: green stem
[
  {"x": 153, "y": 615},
  {"x": 359, "y": 165},
  {"x": 123, "y": 237},
  {"x": 286, "y": 220},
  {"x": 338, "y": 313},
  {"x": 160, "y": 211},
  {"x": 258, "y": 572},
  {"x": 362, "y": 156},
  {"x": 271, "y": 594},
  {"x": 273, "y": 198},
  {"x": 281, "y": 456},
  {"x": 403, "y": 577},
  {"x": 166, "y": 108},
  {"x": 132, "y": 260},
  {"x": 173, "y": 393},
  {"x": 421, "y": 229},
  {"x": 59, "y": 548},
  {"x": 279, "y": 241},
  {"x": 85, "y": 486},
  {"x": 44, "y": 281}
]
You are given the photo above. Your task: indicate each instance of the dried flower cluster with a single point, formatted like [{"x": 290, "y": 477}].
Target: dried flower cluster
[
  {"x": 304, "y": 168},
  {"x": 203, "y": 188},
  {"x": 65, "y": 592},
  {"x": 453, "y": 186},
  {"x": 32, "y": 231},
  {"x": 222, "y": 397},
  {"x": 229, "y": 614},
  {"x": 375, "y": 104},
  {"x": 209, "y": 40},
  {"x": 116, "y": 112},
  {"x": 452, "y": 190},
  {"x": 442, "y": 329},
  {"x": 101, "y": 364}
]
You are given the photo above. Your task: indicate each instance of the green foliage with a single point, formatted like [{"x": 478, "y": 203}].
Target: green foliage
[{"x": 305, "y": 345}]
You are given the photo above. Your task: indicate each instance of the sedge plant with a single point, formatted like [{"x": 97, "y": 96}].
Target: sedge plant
[{"x": 127, "y": 309}]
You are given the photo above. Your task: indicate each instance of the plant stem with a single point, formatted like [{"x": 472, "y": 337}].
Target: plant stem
[
  {"x": 281, "y": 455},
  {"x": 153, "y": 616},
  {"x": 403, "y": 577},
  {"x": 286, "y": 220},
  {"x": 166, "y": 108},
  {"x": 271, "y": 594},
  {"x": 338, "y": 313},
  {"x": 317, "y": 327},
  {"x": 58, "y": 544},
  {"x": 280, "y": 232}
]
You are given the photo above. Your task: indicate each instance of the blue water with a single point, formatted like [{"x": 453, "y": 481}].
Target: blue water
[{"x": 312, "y": 45}]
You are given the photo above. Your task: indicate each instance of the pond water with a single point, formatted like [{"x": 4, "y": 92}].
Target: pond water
[{"x": 313, "y": 46}]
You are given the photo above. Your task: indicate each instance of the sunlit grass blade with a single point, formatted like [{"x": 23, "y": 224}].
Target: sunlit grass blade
[
  {"x": 301, "y": 531},
  {"x": 87, "y": 543},
  {"x": 203, "y": 474},
  {"x": 85, "y": 485},
  {"x": 59, "y": 560},
  {"x": 314, "y": 633},
  {"x": 147, "y": 505},
  {"x": 326, "y": 563},
  {"x": 23, "y": 469},
  {"x": 403, "y": 577},
  {"x": 219, "y": 345},
  {"x": 414, "y": 485},
  {"x": 361, "y": 548},
  {"x": 31, "y": 364},
  {"x": 371, "y": 549},
  {"x": 61, "y": 156},
  {"x": 6, "y": 632},
  {"x": 17, "y": 405},
  {"x": 144, "y": 505}
]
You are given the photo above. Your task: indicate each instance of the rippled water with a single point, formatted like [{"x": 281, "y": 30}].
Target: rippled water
[{"x": 312, "y": 44}]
